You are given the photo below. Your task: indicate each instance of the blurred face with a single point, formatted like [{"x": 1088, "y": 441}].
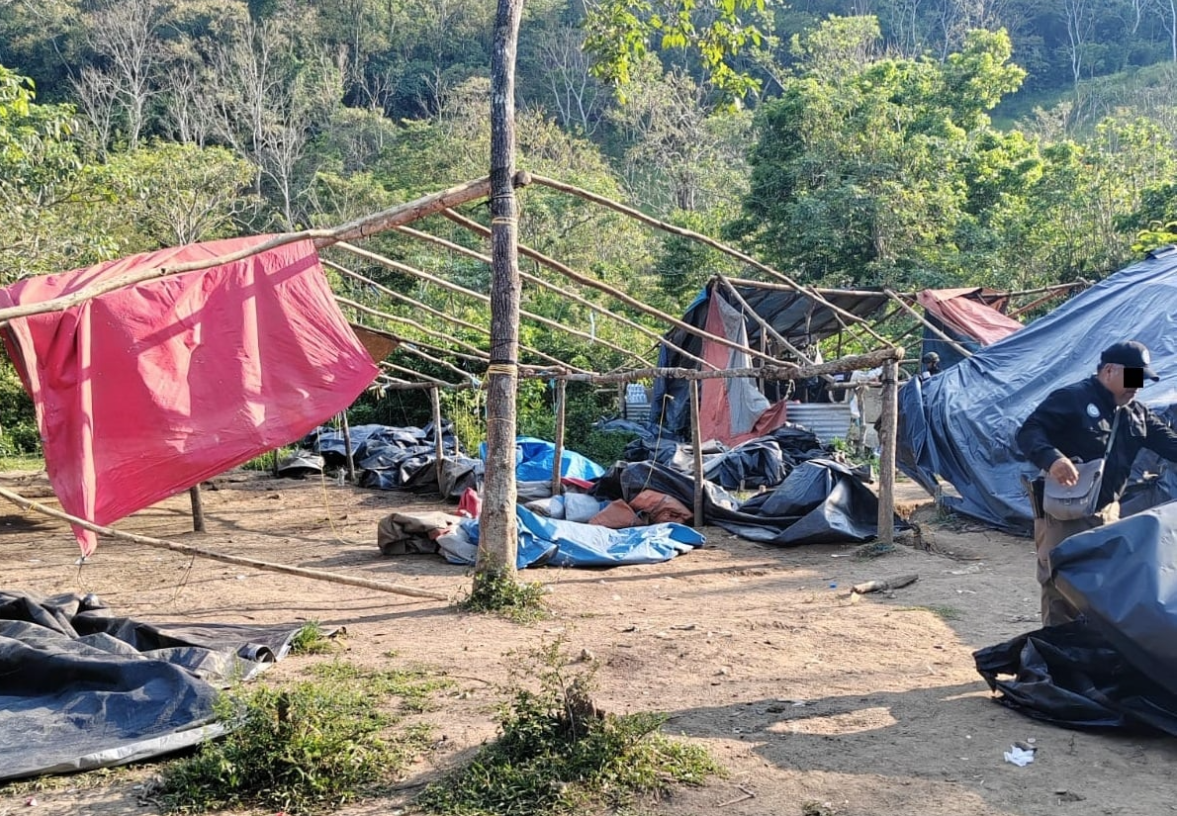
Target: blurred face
[{"x": 1112, "y": 378}]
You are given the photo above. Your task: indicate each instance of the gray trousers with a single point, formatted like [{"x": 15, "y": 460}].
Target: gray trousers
[{"x": 1049, "y": 533}]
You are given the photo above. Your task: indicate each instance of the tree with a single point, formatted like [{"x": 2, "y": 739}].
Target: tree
[{"x": 496, "y": 556}]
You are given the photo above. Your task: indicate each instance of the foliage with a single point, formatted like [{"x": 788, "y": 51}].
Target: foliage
[
  {"x": 306, "y": 747},
  {"x": 556, "y": 752},
  {"x": 497, "y": 593},
  {"x": 18, "y": 421}
]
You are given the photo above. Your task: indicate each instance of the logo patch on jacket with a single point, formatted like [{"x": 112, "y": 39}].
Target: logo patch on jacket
[{"x": 1092, "y": 410}]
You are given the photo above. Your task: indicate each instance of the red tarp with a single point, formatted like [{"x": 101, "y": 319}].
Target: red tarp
[
  {"x": 146, "y": 391},
  {"x": 961, "y": 313},
  {"x": 716, "y": 396}
]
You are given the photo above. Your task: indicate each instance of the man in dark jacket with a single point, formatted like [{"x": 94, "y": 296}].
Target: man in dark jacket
[{"x": 1075, "y": 422}]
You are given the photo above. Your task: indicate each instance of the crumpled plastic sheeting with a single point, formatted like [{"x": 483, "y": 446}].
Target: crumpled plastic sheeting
[
  {"x": 572, "y": 544},
  {"x": 961, "y": 424},
  {"x": 1123, "y": 578},
  {"x": 82, "y": 689},
  {"x": 1118, "y": 665},
  {"x": 534, "y": 459},
  {"x": 820, "y": 502},
  {"x": 1072, "y": 676}
]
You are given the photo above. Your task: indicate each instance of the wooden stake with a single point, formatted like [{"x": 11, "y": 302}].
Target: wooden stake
[
  {"x": 697, "y": 442},
  {"x": 197, "y": 508},
  {"x": 887, "y": 453},
  {"x": 174, "y": 546},
  {"x": 438, "y": 442},
  {"x": 561, "y": 385},
  {"x": 347, "y": 450}
]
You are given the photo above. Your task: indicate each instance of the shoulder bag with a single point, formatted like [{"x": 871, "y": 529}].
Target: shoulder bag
[{"x": 1081, "y": 499}]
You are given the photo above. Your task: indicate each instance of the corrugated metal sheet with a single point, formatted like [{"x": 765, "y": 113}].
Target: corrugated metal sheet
[{"x": 828, "y": 420}]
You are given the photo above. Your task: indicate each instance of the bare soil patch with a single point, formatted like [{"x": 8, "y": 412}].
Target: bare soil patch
[{"x": 815, "y": 703}]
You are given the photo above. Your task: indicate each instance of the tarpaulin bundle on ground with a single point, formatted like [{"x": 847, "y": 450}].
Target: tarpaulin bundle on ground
[
  {"x": 1118, "y": 666},
  {"x": 761, "y": 462},
  {"x": 81, "y": 688},
  {"x": 220, "y": 365},
  {"x": 821, "y": 502},
  {"x": 961, "y": 424}
]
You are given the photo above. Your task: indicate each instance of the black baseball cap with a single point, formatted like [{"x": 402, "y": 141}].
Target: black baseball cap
[{"x": 1130, "y": 354}]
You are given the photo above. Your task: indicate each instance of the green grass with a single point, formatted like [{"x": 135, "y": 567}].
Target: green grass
[
  {"x": 557, "y": 753},
  {"x": 307, "y": 747},
  {"x": 21, "y": 461},
  {"x": 948, "y": 613},
  {"x": 500, "y": 594},
  {"x": 311, "y": 640}
]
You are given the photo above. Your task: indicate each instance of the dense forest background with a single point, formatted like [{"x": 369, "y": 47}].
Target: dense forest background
[{"x": 907, "y": 143}]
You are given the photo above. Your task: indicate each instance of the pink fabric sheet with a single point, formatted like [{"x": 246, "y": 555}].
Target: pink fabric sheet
[
  {"x": 143, "y": 392},
  {"x": 962, "y": 314}
]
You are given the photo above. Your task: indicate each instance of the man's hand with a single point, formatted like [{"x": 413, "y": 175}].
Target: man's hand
[{"x": 1064, "y": 472}]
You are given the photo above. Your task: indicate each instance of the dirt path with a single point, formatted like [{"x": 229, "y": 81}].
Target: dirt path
[{"x": 870, "y": 708}]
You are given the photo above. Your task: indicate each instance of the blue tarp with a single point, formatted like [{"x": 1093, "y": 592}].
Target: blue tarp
[
  {"x": 534, "y": 458},
  {"x": 961, "y": 424},
  {"x": 571, "y": 544}
]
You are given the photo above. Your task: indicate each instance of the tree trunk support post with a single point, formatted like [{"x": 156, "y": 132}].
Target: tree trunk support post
[
  {"x": 351, "y": 461},
  {"x": 887, "y": 452},
  {"x": 558, "y": 454},
  {"x": 697, "y": 444},
  {"x": 438, "y": 440},
  {"x": 197, "y": 508}
]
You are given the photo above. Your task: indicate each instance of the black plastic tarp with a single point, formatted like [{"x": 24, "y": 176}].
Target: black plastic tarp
[
  {"x": 81, "y": 688},
  {"x": 1117, "y": 666},
  {"x": 961, "y": 424},
  {"x": 821, "y": 502}
]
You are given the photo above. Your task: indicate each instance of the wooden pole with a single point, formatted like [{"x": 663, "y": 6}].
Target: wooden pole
[
  {"x": 416, "y": 304},
  {"x": 697, "y": 443},
  {"x": 347, "y": 450},
  {"x": 438, "y": 442},
  {"x": 453, "y": 287},
  {"x": 808, "y": 291},
  {"x": 174, "y": 546},
  {"x": 197, "y": 508},
  {"x": 955, "y": 346},
  {"x": 887, "y": 453},
  {"x": 555, "y": 266},
  {"x": 361, "y": 228},
  {"x": 561, "y": 385}
]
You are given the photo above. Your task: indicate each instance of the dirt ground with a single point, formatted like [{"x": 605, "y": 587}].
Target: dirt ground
[{"x": 813, "y": 702}]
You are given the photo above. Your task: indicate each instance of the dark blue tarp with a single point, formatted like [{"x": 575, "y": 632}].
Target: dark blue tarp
[
  {"x": 1117, "y": 665},
  {"x": 961, "y": 424}
]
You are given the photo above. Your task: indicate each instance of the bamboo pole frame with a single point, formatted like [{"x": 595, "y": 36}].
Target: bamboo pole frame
[
  {"x": 453, "y": 287},
  {"x": 886, "y": 521},
  {"x": 711, "y": 242},
  {"x": 697, "y": 451},
  {"x": 438, "y": 441},
  {"x": 557, "y": 267},
  {"x": 558, "y": 454},
  {"x": 416, "y": 304},
  {"x": 955, "y": 346}
]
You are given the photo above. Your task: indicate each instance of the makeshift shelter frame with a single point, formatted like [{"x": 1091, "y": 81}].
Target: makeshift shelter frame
[{"x": 443, "y": 203}]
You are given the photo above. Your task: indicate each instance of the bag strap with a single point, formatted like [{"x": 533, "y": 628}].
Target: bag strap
[{"x": 1112, "y": 438}]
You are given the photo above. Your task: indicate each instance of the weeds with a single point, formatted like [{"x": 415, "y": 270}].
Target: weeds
[
  {"x": 557, "y": 752},
  {"x": 311, "y": 640},
  {"x": 501, "y": 594},
  {"x": 304, "y": 748}
]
